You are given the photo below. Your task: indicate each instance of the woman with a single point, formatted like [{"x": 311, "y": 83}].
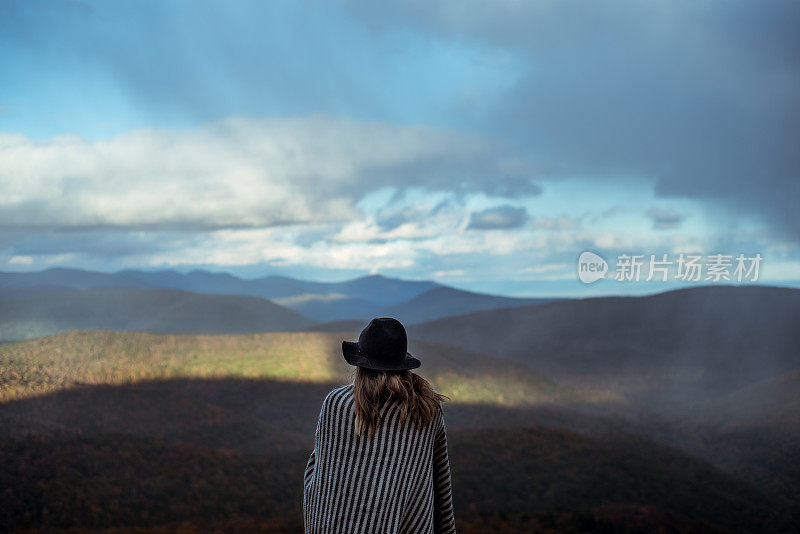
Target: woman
[{"x": 380, "y": 462}]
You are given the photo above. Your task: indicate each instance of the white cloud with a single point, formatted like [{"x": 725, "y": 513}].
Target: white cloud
[
  {"x": 21, "y": 260},
  {"x": 286, "y": 192},
  {"x": 233, "y": 173},
  {"x": 545, "y": 268},
  {"x": 452, "y": 273},
  {"x": 305, "y": 298},
  {"x": 269, "y": 245},
  {"x": 367, "y": 229}
]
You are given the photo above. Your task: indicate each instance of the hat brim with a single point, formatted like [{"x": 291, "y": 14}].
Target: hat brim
[{"x": 353, "y": 356}]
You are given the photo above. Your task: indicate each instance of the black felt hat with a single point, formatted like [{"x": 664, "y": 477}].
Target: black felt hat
[{"x": 382, "y": 346}]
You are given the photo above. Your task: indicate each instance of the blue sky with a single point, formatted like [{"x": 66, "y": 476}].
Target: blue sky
[{"x": 481, "y": 144}]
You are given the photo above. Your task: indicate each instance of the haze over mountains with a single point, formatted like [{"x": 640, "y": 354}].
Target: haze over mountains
[
  {"x": 675, "y": 347},
  {"x": 445, "y": 301}
]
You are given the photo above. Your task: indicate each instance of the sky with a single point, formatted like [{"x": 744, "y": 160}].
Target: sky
[{"x": 484, "y": 145}]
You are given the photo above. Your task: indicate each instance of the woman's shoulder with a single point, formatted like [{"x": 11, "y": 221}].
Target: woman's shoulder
[{"x": 338, "y": 394}]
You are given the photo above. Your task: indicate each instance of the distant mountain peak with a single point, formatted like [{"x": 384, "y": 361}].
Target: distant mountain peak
[
  {"x": 69, "y": 270},
  {"x": 371, "y": 277}
]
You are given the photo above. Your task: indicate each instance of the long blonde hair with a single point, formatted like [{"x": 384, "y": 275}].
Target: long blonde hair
[{"x": 418, "y": 401}]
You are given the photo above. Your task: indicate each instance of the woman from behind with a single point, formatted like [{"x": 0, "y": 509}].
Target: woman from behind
[{"x": 380, "y": 462}]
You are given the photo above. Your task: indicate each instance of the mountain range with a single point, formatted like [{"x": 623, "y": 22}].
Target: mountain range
[
  {"x": 669, "y": 412},
  {"x": 54, "y": 292}
]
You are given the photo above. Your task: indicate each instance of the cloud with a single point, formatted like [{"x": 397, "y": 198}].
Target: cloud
[
  {"x": 367, "y": 230},
  {"x": 452, "y": 273},
  {"x": 449, "y": 102},
  {"x": 700, "y": 96},
  {"x": 306, "y": 298},
  {"x": 664, "y": 218},
  {"x": 21, "y": 260},
  {"x": 234, "y": 173},
  {"x": 498, "y": 218},
  {"x": 391, "y": 217}
]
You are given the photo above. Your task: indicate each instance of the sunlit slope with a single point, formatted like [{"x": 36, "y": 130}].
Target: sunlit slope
[{"x": 107, "y": 357}]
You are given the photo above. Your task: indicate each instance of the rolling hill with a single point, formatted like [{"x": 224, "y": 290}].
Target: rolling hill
[
  {"x": 680, "y": 347},
  {"x": 329, "y": 307},
  {"x": 237, "y": 412},
  {"x": 769, "y": 403},
  {"x": 444, "y": 301},
  {"x": 24, "y": 315}
]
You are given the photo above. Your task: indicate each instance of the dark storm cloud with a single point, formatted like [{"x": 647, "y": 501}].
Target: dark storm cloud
[
  {"x": 701, "y": 96},
  {"x": 498, "y": 218},
  {"x": 511, "y": 188}
]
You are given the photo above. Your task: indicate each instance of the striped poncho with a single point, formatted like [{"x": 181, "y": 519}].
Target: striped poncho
[{"x": 397, "y": 481}]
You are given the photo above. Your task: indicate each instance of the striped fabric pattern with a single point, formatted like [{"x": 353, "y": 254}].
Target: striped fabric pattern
[{"x": 396, "y": 482}]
